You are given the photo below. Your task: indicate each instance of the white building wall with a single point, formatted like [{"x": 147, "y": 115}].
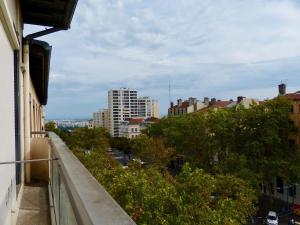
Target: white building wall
[
  {"x": 122, "y": 105},
  {"x": 148, "y": 107},
  {"x": 247, "y": 102},
  {"x": 101, "y": 118},
  {"x": 155, "y": 109},
  {"x": 129, "y": 130},
  {"x": 134, "y": 130},
  {"x": 7, "y": 131}
]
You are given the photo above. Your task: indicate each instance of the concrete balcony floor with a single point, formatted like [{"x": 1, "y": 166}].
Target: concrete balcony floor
[{"x": 34, "y": 209}]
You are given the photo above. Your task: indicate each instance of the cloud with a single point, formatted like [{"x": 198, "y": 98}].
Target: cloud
[{"x": 206, "y": 48}]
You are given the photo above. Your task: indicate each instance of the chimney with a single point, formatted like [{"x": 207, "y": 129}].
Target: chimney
[
  {"x": 172, "y": 105},
  {"x": 179, "y": 102},
  {"x": 212, "y": 101},
  {"x": 206, "y": 100},
  {"x": 239, "y": 99},
  {"x": 282, "y": 89},
  {"x": 192, "y": 100}
]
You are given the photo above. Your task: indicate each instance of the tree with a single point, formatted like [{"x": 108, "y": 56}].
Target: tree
[
  {"x": 249, "y": 143},
  {"x": 121, "y": 143},
  {"x": 221, "y": 199},
  {"x": 152, "y": 196},
  {"x": 152, "y": 150},
  {"x": 96, "y": 139}
]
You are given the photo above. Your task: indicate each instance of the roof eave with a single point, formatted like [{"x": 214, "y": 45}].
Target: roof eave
[
  {"x": 39, "y": 59},
  {"x": 57, "y": 14}
]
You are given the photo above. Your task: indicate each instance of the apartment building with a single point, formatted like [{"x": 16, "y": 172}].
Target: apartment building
[
  {"x": 283, "y": 190},
  {"x": 294, "y": 138},
  {"x": 124, "y": 104},
  {"x": 241, "y": 101},
  {"x": 134, "y": 126},
  {"x": 148, "y": 107},
  {"x": 101, "y": 118},
  {"x": 190, "y": 105},
  {"x": 39, "y": 184},
  {"x": 24, "y": 69}
]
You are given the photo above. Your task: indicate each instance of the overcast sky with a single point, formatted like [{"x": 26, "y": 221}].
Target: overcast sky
[{"x": 219, "y": 49}]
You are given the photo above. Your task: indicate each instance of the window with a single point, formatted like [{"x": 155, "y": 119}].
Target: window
[
  {"x": 279, "y": 185},
  {"x": 292, "y": 108},
  {"x": 292, "y": 143}
]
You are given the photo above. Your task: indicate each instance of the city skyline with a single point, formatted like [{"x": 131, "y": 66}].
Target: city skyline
[{"x": 219, "y": 50}]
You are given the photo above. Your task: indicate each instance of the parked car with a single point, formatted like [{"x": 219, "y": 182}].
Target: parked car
[
  {"x": 272, "y": 218},
  {"x": 295, "y": 209}
]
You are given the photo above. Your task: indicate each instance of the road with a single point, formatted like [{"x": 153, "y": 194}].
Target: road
[
  {"x": 283, "y": 220},
  {"x": 119, "y": 156}
]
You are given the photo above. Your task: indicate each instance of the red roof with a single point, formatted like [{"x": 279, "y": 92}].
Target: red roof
[
  {"x": 217, "y": 104},
  {"x": 205, "y": 109},
  {"x": 221, "y": 104},
  {"x": 152, "y": 119},
  {"x": 294, "y": 96},
  {"x": 135, "y": 120},
  {"x": 183, "y": 105}
]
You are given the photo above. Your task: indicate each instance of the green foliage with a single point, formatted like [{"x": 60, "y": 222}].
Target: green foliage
[
  {"x": 152, "y": 150},
  {"x": 51, "y": 126},
  {"x": 150, "y": 196},
  {"x": 249, "y": 143},
  {"x": 236, "y": 149},
  {"x": 153, "y": 196},
  {"x": 121, "y": 143},
  {"x": 96, "y": 139}
]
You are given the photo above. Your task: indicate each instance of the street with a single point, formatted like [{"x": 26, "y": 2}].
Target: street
[{"x": 118, "y": 155}]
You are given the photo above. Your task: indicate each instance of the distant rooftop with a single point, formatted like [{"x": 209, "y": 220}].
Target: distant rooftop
[{"x": 294, "y": 96}]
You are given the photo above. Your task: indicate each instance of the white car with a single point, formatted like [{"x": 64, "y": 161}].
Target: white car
[{"x": 272, "y": 218}]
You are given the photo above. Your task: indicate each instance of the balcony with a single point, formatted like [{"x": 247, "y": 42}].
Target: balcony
[{"x": 63, "y": 192}]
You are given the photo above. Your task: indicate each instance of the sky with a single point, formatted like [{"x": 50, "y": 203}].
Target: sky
[{"x": 219, "y": 49}]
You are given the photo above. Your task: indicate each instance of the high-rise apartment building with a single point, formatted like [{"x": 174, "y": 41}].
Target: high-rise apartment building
[
  {"x": 101, "y": 118},
  {"x": 148, "y": 107},
  {"x": 124, "y": 104}
]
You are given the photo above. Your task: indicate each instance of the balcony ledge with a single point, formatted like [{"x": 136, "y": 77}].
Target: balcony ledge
[{"x": 91, "y": 203}]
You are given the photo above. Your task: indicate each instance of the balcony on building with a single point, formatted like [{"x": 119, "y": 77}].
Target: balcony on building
[{"x": 61, "y": 191}]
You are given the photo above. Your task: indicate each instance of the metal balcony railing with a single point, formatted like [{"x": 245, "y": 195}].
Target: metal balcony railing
[{"x": 76, "y": 198}]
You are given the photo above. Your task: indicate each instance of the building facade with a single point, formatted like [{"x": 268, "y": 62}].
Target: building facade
[
  {"x": 148, "y": 107},
  {"x": 288, "y": 192},
  {"x": 188, "y": 106},
  {"x": 101, "y": 118},
  {"x": 24, "y": 71},
  {"x": 124, "y": 104},
  {"x": 134, "y": 126}
]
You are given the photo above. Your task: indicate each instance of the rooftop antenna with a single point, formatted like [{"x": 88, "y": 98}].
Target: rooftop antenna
[{"x": 170, "y": 99}]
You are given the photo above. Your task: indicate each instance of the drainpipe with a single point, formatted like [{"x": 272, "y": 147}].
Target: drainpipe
[
  {"x": 42, "y": 33},
  {"x": 27, "y": 110},
  {"x": 27, "y": 138}
]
